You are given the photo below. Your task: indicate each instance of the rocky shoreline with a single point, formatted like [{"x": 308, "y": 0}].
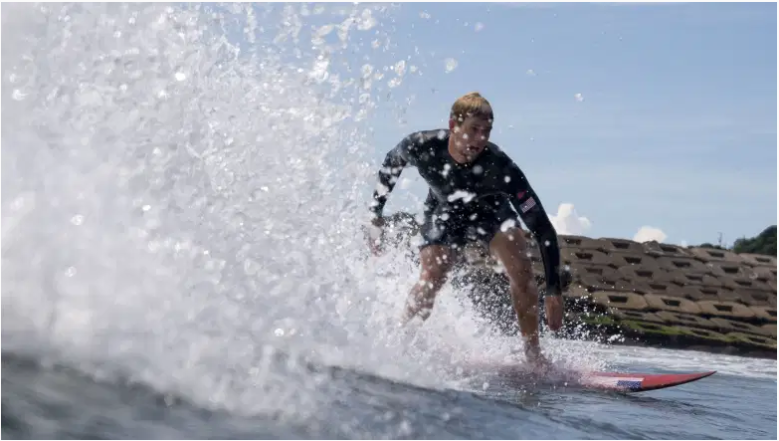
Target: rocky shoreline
[{"x": 648, "y": 294}]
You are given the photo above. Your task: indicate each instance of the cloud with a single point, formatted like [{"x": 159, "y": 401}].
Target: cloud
[
  {"x": 568, "y": 221},
  {"x": 648, "y": 234}
]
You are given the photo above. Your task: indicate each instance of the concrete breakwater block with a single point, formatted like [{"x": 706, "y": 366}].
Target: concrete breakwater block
[
  {"x": 752, "y": 340},
  {"x": 700, "y": 279},
  {"x": 657, "y": 249},
  {"x": 715, "y": 255},
  {"x": 686, "y": 265},
  {"x": 622, "y": 246},
  {"x": 716, "y": 293},
  {"x": 673, "y": 304},
  {"x": 693, "y": 292},
  {"x": 704, "y": 333},
  {"x": 727, "y": 325},
  {"x": 625, "y": 260},
  {"x": 580, "y": 256},
  {"x": 758, "y": 260},
  {"x": 581, "y": 242},
  {"x": 753, "y": 297},
  {"x": 744, "y": 282},
  {"x": 620, "y": 300},
  {"x": 725, "y": 309},
  {"x": 682, "y": 319},
  {"x": 648, "y": 273},
  {"x": 626, "y": 314},
  {"x": 767, "y": 313},
  {"x": 728, "y": 269},
  {"x": 643, "y": 287},
  {"x": 581, "y": 270},
  {"x": 604, "y": 283},
  {"x": 763, "y": 275},
  {"x": 649, "y": 328}
]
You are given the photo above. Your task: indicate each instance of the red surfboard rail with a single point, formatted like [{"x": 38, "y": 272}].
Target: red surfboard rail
[{"x": 636, "y": 382}]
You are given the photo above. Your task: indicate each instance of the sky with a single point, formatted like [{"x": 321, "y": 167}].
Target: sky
[{"x": 626, "y": 118}]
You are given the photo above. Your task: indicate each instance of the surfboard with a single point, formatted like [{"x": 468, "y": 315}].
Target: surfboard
[
  {"x": 632, "y": 382},
  {"x": 518, "y": 376}
]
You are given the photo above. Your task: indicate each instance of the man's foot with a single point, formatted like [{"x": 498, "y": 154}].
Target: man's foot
[{"x": 537, "y": 362}]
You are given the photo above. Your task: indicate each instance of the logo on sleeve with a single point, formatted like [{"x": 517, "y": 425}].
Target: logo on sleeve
[
  {"x": 521, "y": 194},
  {"x": 528, "y": 204}
]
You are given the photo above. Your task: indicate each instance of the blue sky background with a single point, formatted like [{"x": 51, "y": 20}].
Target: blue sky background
[{"x": 676, "y": 129}]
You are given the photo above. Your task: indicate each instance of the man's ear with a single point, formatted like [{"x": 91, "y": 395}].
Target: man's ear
[{"x": 451, "y": 123}]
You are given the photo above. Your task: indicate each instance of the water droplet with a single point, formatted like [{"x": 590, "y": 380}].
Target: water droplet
[
  {"x": 400, "y": 68},
  {"x": 450, "y": 64},
  {"x": 579, "y": 97},
  {"x": 146, "y": 208},
  {"x": 181, "y": 76},
  {"x": 250, "y": 267},
  {"x": 77, "y": 220},
  {"x": 153, "y": 246},
  {"x": 70, "y": 272},
  {"x": 18, "y": 95}
]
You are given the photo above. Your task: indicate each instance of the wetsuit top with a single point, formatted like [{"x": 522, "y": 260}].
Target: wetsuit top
[{"x": 460, "y": 188}]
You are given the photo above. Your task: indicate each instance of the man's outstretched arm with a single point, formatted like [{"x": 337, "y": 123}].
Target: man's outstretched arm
[
  {"x": 529, "y": 207},
  {"x": 394, "y": 163}
]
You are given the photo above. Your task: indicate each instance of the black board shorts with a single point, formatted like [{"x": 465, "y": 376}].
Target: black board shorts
[{"x": 457, "y": 228}]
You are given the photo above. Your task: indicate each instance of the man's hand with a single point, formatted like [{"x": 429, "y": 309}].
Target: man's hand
[
  {"x": 554, "y": 311},
  {"x": 376, "y": 235}
]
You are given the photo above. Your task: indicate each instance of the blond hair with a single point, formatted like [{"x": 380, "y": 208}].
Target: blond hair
[{"x": 471, "y": 104}]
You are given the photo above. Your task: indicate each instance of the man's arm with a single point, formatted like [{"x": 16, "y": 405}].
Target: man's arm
[
  {"x": 396, "y": 160},
  {"x": 529, "y": 207}
]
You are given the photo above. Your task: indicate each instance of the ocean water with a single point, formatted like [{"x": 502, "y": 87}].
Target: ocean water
[
  {"x": 183, "y": 195},
  {"x": 736, "y": 403}
]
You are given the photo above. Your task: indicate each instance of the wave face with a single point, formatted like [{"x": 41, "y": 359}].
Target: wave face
[{"x": 184, "y": 189}]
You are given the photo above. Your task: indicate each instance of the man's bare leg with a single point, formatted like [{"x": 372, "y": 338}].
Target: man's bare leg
[
  {"x": 436, "y": 261},
  {"x": 510, "y": 247}
]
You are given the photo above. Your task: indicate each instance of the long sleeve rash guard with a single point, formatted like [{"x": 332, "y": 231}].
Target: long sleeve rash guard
[{"x": 453, "y": 186}]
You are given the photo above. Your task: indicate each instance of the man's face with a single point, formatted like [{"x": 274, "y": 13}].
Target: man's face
[{"x": 471, "y": 137}]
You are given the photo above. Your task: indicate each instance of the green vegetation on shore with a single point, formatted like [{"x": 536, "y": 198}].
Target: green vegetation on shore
[{"x": 764, "y": 243}]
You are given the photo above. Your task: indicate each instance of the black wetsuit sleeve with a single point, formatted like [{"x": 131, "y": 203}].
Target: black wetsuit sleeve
[
  {"x": 532, "y": 213},
  {"x": 396, "y": 160}
]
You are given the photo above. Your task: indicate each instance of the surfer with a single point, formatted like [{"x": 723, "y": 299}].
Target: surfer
[{"x": 473, "y": 185}]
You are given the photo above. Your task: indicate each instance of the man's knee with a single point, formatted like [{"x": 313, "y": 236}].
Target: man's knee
[{"x": 436, "y": 259}]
